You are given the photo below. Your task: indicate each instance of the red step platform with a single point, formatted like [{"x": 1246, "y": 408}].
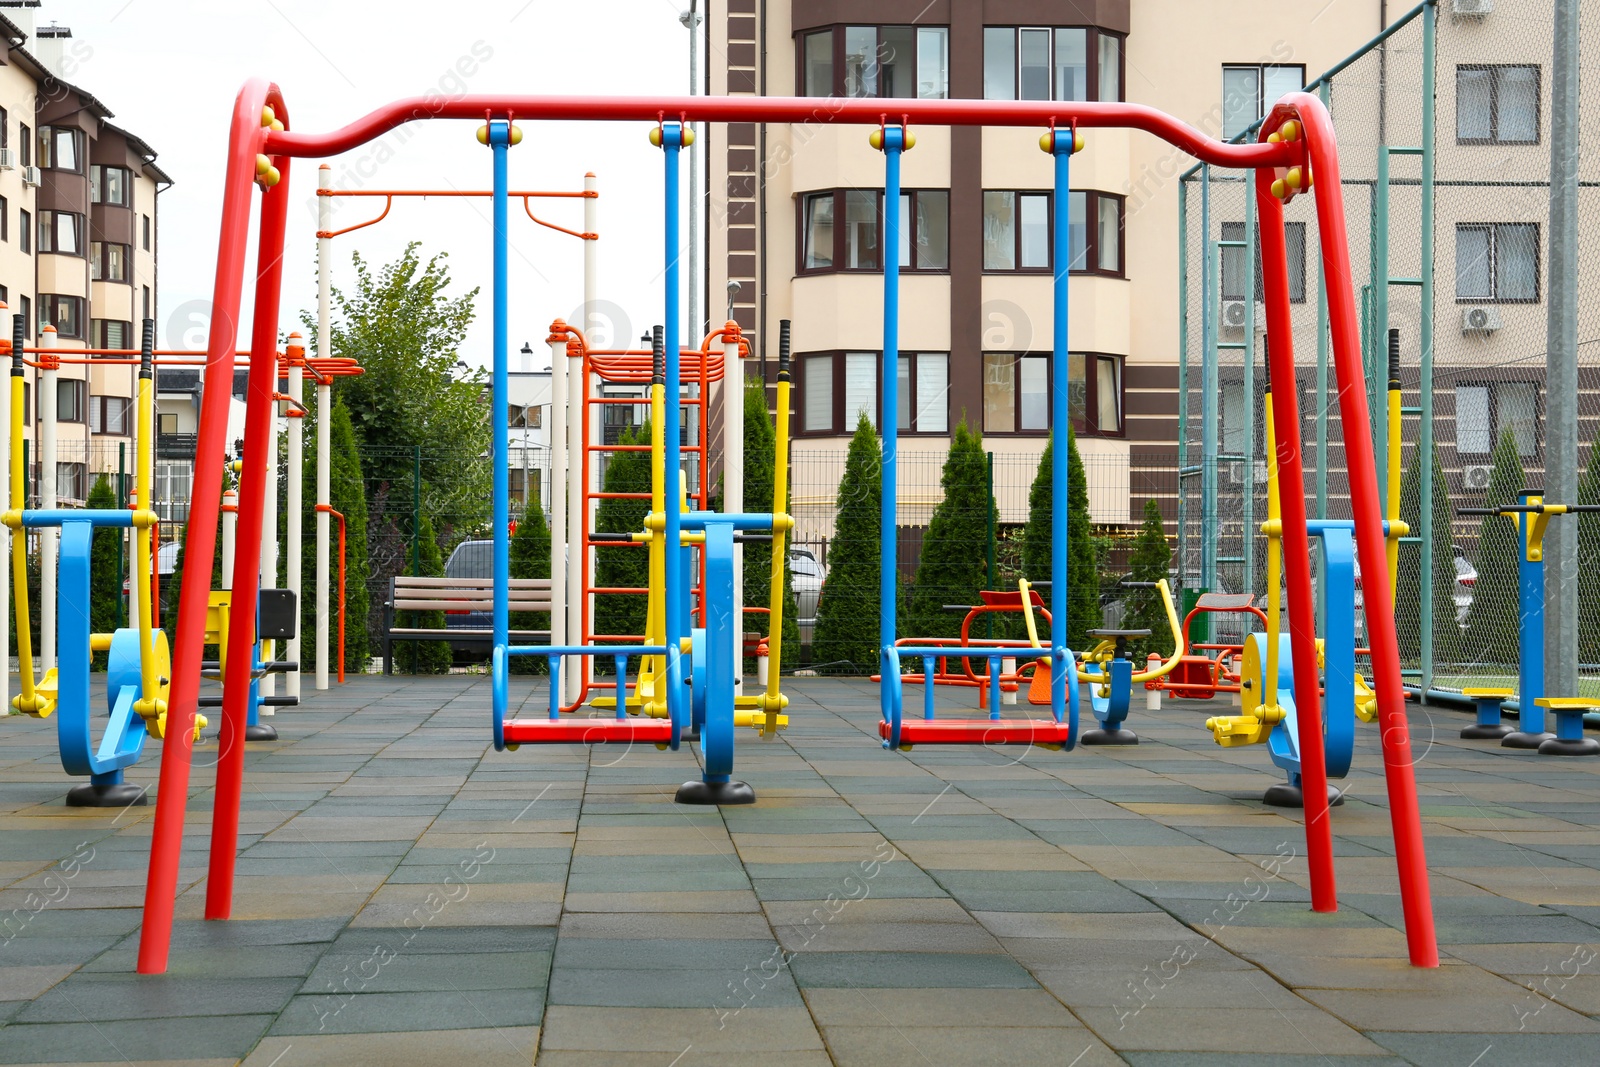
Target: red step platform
[
  {"x": 576, "y": 731},
  {"x": 979, "y": 731}
]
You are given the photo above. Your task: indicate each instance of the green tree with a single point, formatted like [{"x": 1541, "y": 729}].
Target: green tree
[
  {"x": 1083, "y": 566},
  {"x": 105, "y": 584},
  {"x": 1408, "y": 604},
  {"x": 954, "y": 563},
  {"x": 1492, "y": 620},
  {"x": 1150, "y": 562},
  {"x": 618, "y": 566},
  {"x": 1588, "y": 554},
  {"x": 760, "y": 459},
  {"x": 429, "y": 657},
  {"x": 530, "y": 558},
  {"x": 847, "y": 617}
]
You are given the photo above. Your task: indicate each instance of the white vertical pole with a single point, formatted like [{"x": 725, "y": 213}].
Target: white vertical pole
[
  {"x": 733, "y": 483},
  {"x": 46, "y": 415},
  {"x": 559, "y": 565},
  {"x": 583, "y": 556},
  {"x": 577, "y": 553},
  {"x": 230, "y": 523},
  {"x": 296, "y": 350},
  {"x": 324, "y": 414},
  {"x": 269, "y": 545}
]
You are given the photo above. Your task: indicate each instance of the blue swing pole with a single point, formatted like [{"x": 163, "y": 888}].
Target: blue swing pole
[
  {"x": 1062, "y": 144},
  {"x": 892, "y": 141},
  {"x": 499, "y": 136}
]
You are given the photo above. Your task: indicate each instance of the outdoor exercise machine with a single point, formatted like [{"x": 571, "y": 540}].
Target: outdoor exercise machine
[
  {"x": 1531, "y": 516},
  {"x": 138, "y": 663},
  {"x": 1268, "y": 712},
  {"x": 260, "y": 152}
]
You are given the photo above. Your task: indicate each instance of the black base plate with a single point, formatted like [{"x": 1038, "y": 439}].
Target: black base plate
[
  {"x": 1578, "y": 746},
  {"x": 1284, "y": 795},
  {"x": 261, "y": 732},
  {"x": 1109, "y": 737},
  {"x": 121, "y": 795},
  {"x": 1487, "y": 732},
  {"x": 1525, "y": 740},
  {"x": 715, "y": 793}
]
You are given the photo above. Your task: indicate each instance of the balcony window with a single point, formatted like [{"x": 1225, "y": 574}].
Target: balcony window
[
  {"x": 875, "y": 61},
  {"x": 109, "y": 185},
  {"x": 109, "y": 262},
  {"x": 825, "y": 246},
  {"x": 1018, "y": 232},
  {"x": 837, "y": 388},
  {"x": 69, "y": 399},
  {"x": 1051, "y": 63},
  {"x": 71, "y": 481},
  {"x": 109, "y": 414},
  {"x": 1248, "y": 91},
  {"x": 61, "y": 232},
  {"x": 1017, "y": 393},
  {"x": 59, "y": 148},
  {"x": 65, "y": 313},
  {"x": 111, "y": 333}
]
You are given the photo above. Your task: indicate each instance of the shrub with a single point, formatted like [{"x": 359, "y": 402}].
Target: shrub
[
  {"x": 1408, "y": 604},
  {"x": 847, "y": 617},
  {"x": 760, "y": 458},
  {"x": 1151, "y": 560},
  {"x": 1083, "y": 568},
  {"x": 1492, "y": 620},
  {"x": 954, "y": 564},
  {"x": 530, "y": 558}
]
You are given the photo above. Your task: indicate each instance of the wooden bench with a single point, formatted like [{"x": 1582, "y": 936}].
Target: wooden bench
[{"x": 458, "y": 595}]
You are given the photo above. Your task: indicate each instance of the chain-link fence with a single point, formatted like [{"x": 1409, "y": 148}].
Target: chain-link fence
[{"x": 1471, "y": 317}]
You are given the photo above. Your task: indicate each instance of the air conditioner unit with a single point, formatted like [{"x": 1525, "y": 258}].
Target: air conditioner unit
[
  {"x": 1480, "y": 319},
  {"x": 30, "y": 176},
  {"x": 8, "y": 159},
  {"x": 1234, "y": 312},
  {"x": 1472, "y": 7},
  {"x": 1475, "y": 477}
]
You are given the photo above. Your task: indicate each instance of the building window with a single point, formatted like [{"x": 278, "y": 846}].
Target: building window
[
  {"x": 58, "y": 148},
  {"x": 1044, "y": 63},
  {"x": 878, "y": 61},
  {"x": 109, "y": 414},
  {"x": 24, "y": 230},
  {"x": 827, "y": 246},
  {"x": 1018, "y": 232},
  {"x": 167, "y": 422},
  {"x": 71, "y": 479},
  {"x": 27, "y": 404},
  {"x": 146, "y": 220},
  {"x": 1497, "y": 262},
  {"x": 1016, "y": 393},
  {"x": 1233, "y": 263},
  {"x": 836, "y": 388},
  {"x": 110, "y": 333},
  {"x": 25, "y": 306},
  {"x": 1486, "y": 412},
  {"x": 26, "y": 140},
  {"x": 109, "y": 262},
  {"x": 146, "y": 313},
  {"x": 5, "y": 218},
  {"x": 1248, "y": 91},
  {"x": 110, "y": 185},
  {"x": 5, "y": 129},
  {"x": 1497, "y": 104},
  {"x": 61, "y": 232},
  {"x": 69, "y": 399},
  {"x": 65, "y": 313}
]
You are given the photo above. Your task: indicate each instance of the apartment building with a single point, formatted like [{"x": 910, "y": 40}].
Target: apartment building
[{"x": 78, "y": 243}]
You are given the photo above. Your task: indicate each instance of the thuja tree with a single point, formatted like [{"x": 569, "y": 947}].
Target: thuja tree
[
  {"x": 847, "y": 616},
  {"x": 621, "y": 614},
  {"x": 1408, "y": 604},
  {"x": 760, "y": 464},
  {"x": 1150, "y": 562},
  {"x": 530, "y": 558},
  {"x": 954, "y": 564},
  {"x": 105, "y": 584},
  {"x": 1083, "y": 567},
  {"x": 347, "y": 495},
  {"x": 1492, "y": 620}
]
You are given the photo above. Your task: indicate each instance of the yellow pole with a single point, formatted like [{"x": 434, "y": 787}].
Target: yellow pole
[
  {"x": 655, "y": 616},
  {"x": 149, "y": 706},
  {"x": 1392, "y": 542},
  {"x": 1269, "y": 695},
  {"x": 28, "y": 701},
  {"x": 774, "y": 701}
]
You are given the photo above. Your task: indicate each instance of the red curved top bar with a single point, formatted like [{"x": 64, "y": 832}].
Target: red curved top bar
[{"x": 1043, "y": 114}]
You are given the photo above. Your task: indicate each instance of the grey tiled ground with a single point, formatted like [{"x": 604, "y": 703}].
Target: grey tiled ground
[{"x": 407, "y": 896}]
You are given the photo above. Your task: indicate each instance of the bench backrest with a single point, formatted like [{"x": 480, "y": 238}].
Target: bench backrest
[{"x": 407, "y": 593}]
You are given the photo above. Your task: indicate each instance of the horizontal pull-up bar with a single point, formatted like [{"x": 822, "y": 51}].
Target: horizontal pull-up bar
[
  {"x": 587, "y": 194},
  {"x": 1041, "y": 114}
]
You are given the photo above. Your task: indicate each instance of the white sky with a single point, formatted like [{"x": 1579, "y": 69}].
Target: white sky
[{"x": 170, "y": 69}]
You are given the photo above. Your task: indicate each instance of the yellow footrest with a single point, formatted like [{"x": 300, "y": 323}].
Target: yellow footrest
[{"x": 1487, "y": 691}]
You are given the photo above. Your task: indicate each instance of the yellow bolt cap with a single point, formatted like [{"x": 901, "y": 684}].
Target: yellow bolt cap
[
  {"x": 268, "y": 116},
  {"x": 910, "y": 139},
  {"x": 875, "y": 139},
  {"x": 516, "y": 135},
  {"x": 1077, "y": 142},
  {"x": 1293, "y": 177},
  {"x": 686, "y": 135},
  {"x": 1047, "y": 141},
  {"x": 1278, "y": 188},
  {"x": 483, "y": 134},
  {"x": 263, "y": 164},
  {"x": 655, "y": 136}
]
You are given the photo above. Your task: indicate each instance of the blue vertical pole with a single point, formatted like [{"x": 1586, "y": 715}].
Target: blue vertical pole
[
  {"x": 889, "y": 375},
  {"x": 676, "y": 595},
  {"x": 1061, "y": 663},
  {"x": 1530, "y": 634},
  {"x": 499, "y": 141}
]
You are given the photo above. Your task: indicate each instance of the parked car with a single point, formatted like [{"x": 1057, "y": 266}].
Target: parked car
[
  {"x": 808, "y": 576},
  {"x": 471, "y": 559},
  {"x": 1466, "y": 580}
]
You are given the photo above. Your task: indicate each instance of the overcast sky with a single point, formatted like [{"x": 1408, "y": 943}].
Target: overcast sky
[{"x": 170, "y": 69}]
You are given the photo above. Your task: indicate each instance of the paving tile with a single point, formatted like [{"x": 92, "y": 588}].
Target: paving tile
[
  {"x": 226, "y": 1037},
  {"x": 501, "y": 1046},
  {"x": 671, "y": 1031}
]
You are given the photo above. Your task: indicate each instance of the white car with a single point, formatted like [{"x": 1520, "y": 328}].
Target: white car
[{"x": 808, "y": 576}]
